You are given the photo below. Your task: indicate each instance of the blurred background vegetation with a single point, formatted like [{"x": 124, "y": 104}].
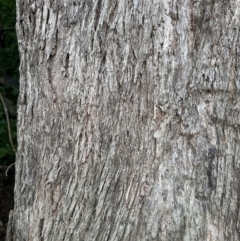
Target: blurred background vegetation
[{"x": 9, "y": 75}]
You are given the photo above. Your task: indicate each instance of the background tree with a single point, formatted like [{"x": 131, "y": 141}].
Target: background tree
[
  {"x": 128, "y": 122},
  {"x": 9, "y": 63}
]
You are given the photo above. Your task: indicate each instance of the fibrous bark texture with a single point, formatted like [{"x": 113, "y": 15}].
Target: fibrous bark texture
[{"x": 128, "y": 121}]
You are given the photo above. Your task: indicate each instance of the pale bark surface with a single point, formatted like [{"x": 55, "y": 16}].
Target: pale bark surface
[{"x": 128, "y": 121}]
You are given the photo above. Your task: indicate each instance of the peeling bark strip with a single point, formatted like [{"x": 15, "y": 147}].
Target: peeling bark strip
[{"x": 128, "y": 123}]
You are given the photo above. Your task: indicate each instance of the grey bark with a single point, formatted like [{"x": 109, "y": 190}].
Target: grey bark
[{"x": 128, "y": 121}]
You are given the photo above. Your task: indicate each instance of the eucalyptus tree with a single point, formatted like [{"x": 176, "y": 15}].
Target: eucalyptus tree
[{"x": 128, "y": 121}]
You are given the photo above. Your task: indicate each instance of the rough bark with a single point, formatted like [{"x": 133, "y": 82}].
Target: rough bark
[{"x": 128, "y": 121}]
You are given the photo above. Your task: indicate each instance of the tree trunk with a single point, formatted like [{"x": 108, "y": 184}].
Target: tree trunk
[{"x": 128, "y": 121}]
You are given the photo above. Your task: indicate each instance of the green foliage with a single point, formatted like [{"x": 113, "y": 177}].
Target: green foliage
[{"x": 9, "y": 62}]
